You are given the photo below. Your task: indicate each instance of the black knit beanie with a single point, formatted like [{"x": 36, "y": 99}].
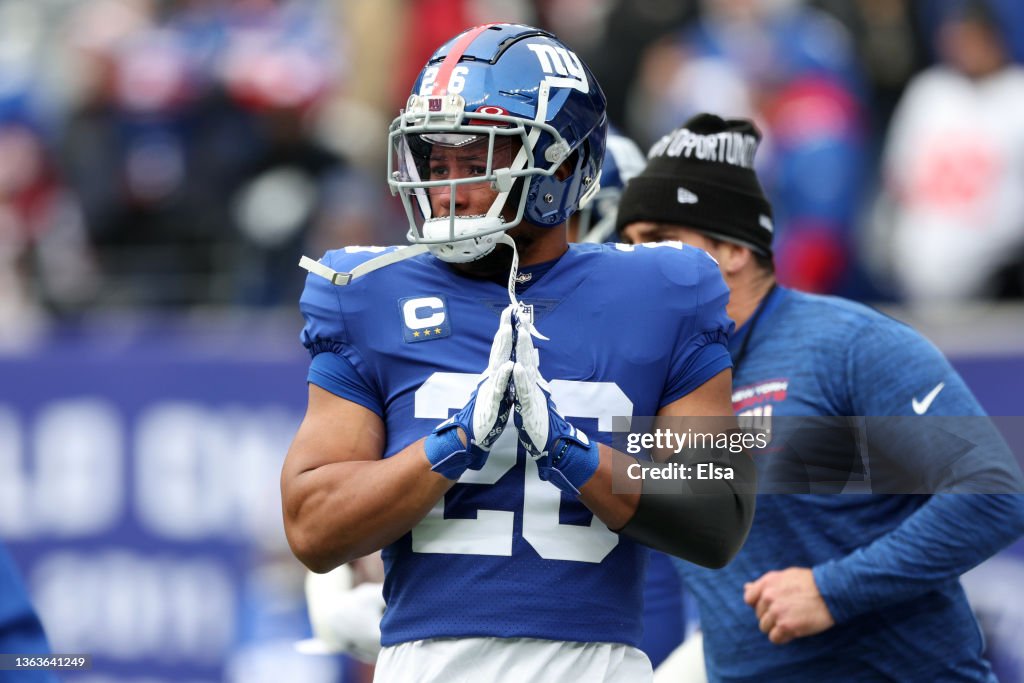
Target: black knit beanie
[{"x": 701, "y": 176}]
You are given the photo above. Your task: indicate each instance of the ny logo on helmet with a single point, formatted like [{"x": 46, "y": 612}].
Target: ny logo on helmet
[{"x": 564, "y": 63}]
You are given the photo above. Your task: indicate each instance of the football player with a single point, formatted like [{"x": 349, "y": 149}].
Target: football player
[
  {"x": 508, "y": 555},
  {"x": 595, "y": 222},
  {"x": 345, "y": 616}
]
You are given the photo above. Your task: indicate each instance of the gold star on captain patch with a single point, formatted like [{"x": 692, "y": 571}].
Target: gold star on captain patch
[
  {"x": 437, "y": 330},
  {"x": 426, "y": 332},
  {"x": 415, "y": 334}
]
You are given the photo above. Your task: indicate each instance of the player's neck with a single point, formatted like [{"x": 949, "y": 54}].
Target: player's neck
[
  {"x": 746, "y": 295},
  {"x": 548, "y": 244},
  {"x": 534, "y": 245}
]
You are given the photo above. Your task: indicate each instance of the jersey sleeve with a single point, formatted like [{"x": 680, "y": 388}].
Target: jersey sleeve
[
  {"x": 890, "y": 365},
  {"x": 701, "y": 350},
  {"x": 924, "y": 431},
  {"x": 337, "y": 365},
  {"x": 947, "y": 536},
  {"x": 932, "y": 436}
]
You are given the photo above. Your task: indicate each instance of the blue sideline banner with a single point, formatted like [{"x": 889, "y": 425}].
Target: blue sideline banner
[{"x": 139, "y": 496}]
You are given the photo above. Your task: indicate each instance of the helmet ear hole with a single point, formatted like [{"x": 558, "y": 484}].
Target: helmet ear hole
[{"x": 568, "y": 166}]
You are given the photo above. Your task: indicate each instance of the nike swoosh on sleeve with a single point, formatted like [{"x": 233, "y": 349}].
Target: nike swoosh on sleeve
[{"x": 921, "y": 407}]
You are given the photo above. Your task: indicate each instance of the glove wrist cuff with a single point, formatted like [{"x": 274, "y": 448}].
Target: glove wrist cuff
[
  {"x": 446, "y": 453},
  {"x": 577, "y": 461}
]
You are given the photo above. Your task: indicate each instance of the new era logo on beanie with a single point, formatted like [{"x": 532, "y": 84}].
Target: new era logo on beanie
[
  {"x": 684, "y": 196},
  {"x": 701, "y": 176}
]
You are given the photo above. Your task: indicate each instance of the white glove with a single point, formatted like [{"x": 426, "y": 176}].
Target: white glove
[
  {"x": 344, "y": 619},
  {"x": 484, "y": 416},
  {"x": 565, "y": 456}
]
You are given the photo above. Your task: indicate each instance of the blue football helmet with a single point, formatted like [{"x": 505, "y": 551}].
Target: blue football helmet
[
  {"x": 622, "y": 160},
  {"x": 506, "y": 105}
]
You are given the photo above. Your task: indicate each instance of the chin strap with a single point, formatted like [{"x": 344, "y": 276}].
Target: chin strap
[{"x": 341, "y": 279}]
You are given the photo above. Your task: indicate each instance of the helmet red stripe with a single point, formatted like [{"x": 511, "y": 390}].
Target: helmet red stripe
[{"x": 454, "y": 55}]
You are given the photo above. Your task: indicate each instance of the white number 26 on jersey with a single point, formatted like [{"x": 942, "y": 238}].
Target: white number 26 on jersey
[{"x": 491, "y": 532}]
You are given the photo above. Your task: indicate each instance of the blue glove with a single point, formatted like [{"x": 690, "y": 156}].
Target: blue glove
[
  {"x": 484, "y": 416},
  {"x": 564, "y": 454}
]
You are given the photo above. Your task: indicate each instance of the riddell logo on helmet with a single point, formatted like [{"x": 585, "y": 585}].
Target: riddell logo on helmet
[{"x": 564, "y": 63}]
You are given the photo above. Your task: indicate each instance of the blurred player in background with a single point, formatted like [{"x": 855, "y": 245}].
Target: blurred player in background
[
  {"x": 595, "y": 222},
  {"x": 857, "y": 587},
  {"x": 497, "y": 524},
  {"x": 20, "y": 630}
]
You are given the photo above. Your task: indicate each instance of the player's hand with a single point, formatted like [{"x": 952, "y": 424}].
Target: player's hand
[
  {"x": 463, "y": 441},
  {"x": 564, "y": 455},
  {"x": 788, "y": 605}
]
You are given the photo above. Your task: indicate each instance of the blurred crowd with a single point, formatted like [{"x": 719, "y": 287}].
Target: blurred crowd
[{"x": 178, "y": 154}]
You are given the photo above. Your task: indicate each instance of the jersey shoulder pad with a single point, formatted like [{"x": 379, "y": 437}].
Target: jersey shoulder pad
[
  {"x": 323, "y": 303},
  {"x": 345, "y": 259},
  {"x": 678, "y": 263},
  {"x": 682, "y": 275}
]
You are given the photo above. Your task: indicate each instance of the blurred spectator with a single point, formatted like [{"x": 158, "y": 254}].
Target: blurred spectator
[
  {"x": 932, "y": 13},
  {"x": 792, "y": 69},
  {"x": 193, "y": 145},
  {"x": 631, "y": 26},
  {"x": 952, "y": 225},
  {"x": 130, "y": 148},
  {"x": 891, "y": 47},
  {"x": 44, "y": 256},
  {"x": 183, "y": 151},
  {"x": 291, "y": 182}
]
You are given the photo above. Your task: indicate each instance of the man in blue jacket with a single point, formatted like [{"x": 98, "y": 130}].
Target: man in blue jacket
[{"x": 828, "y": 587}]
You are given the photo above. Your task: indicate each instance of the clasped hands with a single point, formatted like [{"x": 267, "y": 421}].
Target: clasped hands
[{"x": 512, "y": 385}]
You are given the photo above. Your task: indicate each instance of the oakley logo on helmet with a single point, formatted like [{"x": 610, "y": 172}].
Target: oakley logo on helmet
[{"x": 567, "y": 66}]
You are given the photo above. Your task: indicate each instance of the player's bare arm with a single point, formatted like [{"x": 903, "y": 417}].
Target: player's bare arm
[{"x": 341, "y": 499}]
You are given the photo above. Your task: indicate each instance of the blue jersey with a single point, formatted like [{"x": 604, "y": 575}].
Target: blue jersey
[
  {"x": 664, "y": 609},
  {"x": 20, "y": 630},
  {"x": 505, "y": 554},
  {"x": 887, "y": 566}
]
